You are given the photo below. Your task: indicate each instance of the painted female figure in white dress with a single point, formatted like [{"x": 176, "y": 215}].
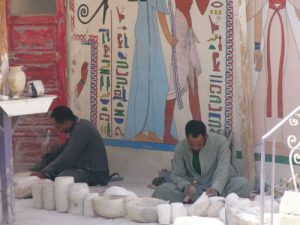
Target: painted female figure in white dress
[{"x": 277, "y": 60}]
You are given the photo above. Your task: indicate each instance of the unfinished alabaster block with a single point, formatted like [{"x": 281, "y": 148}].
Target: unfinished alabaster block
[
  {"x": 253, "y": 210},
  {"x": 216, "y": 199},
  {"x": 269, "y": 209},
  {"x": 117, "y": 190},
  {"x": 22, "y": 188},
  {"x": 290, "y": 203},
  {"x": 88, "y": 208},
  {"x": 285, "y": 219},
  {"x": 243, "y": 203},
  {"x": 247, "y": 219},
  {"x": 267, "y": 219},
  {"x": 195, "y": 220},
  {"x": 255, "y": 203},
  {"x": 110, "y": 206},
  {"x": 222, "y": 215},
  {"x": 267, "y": 204},
  {"x": 230, "y": 214},
  {"x": 177, "y": 210},
  {"x": 214, "y": 208},
  {"x": 231, "y": 199},
  {"x": 164, "y": 213},
  {"x": 200, "y": 206},
  {"x": 77, "y": 192},
  {"x": 21, "y": 175},
  {"x": 62, "y": 185},
  {"x": 48, "y": 196}
]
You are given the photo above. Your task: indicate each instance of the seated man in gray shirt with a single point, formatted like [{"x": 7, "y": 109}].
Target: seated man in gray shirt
[
  {"x": 202, "y": 163},
  {"x": 83, "y": 156}
]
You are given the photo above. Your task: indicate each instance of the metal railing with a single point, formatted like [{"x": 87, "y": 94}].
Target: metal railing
[{"x": 294, "y": 158}]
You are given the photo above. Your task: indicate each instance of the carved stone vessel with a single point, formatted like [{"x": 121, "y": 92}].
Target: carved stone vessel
[{"x": 16, "y": 80}]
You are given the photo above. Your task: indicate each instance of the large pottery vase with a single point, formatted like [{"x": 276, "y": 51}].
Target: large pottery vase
[{"x": 16, "y": 80}]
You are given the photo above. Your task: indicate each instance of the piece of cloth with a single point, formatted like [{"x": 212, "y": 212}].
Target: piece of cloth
[
  {"x": 187, "y": 58},
  {"x": 216, "y": 171},
  {"x": 84, "y": 154},
  {"x": 164, "y": 176}
]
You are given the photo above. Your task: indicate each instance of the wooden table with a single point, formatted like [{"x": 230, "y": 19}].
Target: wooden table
[{"x": 10, "y": 111}]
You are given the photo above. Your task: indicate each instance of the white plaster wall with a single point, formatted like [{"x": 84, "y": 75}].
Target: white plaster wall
[{"x": 138, "y": 162}]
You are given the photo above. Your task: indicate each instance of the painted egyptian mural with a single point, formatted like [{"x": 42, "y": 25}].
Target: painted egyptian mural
[
  {"x": 139, "y": 70},
  {"x": 275, "y": 44}
]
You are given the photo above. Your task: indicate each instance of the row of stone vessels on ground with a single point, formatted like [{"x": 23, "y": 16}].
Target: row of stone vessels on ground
[{"x": 63, "y": 195}]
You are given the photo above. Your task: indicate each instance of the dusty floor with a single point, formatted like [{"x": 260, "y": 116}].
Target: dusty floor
[{"x": 25, "y": 214}]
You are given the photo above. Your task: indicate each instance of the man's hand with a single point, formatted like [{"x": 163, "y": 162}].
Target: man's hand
[
  {"x": 189, "y": 191},
  {"x": 38, "y": 174},
  {"x": 211, "y": 192}
]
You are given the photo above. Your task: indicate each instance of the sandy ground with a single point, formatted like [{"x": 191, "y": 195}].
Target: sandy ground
[{"x": 25, "y": 214}]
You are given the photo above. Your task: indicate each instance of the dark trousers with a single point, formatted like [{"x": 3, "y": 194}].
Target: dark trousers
[{"x": 80, "y": 175}]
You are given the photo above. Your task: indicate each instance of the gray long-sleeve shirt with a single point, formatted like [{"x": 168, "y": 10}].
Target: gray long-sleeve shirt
[
  {"x": 214, "y": 161},
  {"x": 84, "y": 150}
]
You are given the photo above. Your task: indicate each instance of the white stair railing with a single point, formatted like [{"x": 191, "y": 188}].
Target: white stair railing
[{"x": 294, "y": 158}]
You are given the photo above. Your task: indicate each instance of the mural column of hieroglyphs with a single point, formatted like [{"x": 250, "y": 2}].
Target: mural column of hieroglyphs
[{"x": 139, "y": 70}]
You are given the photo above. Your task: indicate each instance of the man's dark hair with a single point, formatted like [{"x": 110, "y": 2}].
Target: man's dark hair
[
  {"x": 62, "y": 113},
  {"x": 195, "y": 128}
]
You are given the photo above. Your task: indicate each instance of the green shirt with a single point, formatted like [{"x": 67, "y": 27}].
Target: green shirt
[{"x": 196, "y": 162}]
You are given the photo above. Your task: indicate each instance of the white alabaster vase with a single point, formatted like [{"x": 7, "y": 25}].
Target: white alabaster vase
[
  {"x": 37, "y": 190},
  {"x": 62, "y": 185},
  {"x": 37, "y": 193},
  {"x": 16, "y": 80},
  {"x": 88, "y": 209},
  {"x": 177, "y": 210},
  {"x": 48, "y": 196},
  {"x": 77, "y": 192},
  {"x": 164, "y": 213}
]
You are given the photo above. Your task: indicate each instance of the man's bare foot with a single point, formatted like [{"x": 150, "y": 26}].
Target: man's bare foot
[
  {"x": 142, "y": 137},
  {"x": 152, "y": 136},
  {"x": 169, "y": 139}
]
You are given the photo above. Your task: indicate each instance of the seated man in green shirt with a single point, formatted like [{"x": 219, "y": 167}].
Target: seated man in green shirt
[{"x": 202, "y": 163}]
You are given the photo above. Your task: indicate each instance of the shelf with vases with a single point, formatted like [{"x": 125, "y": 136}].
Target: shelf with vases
[{"x": 27, "y": 105}]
